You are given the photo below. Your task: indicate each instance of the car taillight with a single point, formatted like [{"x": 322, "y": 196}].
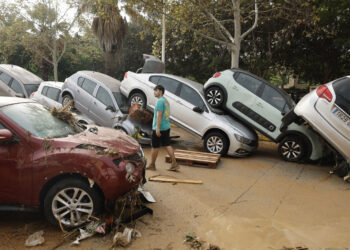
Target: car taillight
[
  {"x": 323, "y": 92},
  {"x": 126, "y": 75},
  {"x": 32, "y": 94},
  {"x": 216, "y": 75}
]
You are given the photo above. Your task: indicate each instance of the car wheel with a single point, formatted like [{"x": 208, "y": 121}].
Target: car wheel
[
  {"x": 216, "y": 142},
  {"x": 214, "y": 96},
  {"x": 66, "y": 99},
  {"x": 292, "y": 148},
  {"x": 72, "y": 201},
  {"x": 138, "y": 98}
]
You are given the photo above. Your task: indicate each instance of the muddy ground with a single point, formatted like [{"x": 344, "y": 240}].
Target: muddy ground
[{"x": 259, "y": 202}]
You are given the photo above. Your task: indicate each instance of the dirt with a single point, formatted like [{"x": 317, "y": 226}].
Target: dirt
[{"x": 259, "y": 202}]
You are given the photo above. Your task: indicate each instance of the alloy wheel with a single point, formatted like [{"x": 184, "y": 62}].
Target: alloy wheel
[
  {"x": 291, "y": 150},
  {"x": 72, "y": 206},
  {"x": 215, "y": 144},
  {"x": 137, "y": 100},
  {"x": 214, "y": 97}
]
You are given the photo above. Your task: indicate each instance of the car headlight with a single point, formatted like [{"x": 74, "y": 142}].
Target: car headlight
[
  {"x": 130, "y": 168},
  {"x": 243, "y": 139}
]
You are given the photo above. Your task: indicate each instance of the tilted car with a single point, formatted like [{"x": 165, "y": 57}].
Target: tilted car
[
  {"x": 261, "y": 105},
  {"x": 17, "y": 81},
  {"x": 98, "y": 96},
  {"x": 66, "y": 171},
  {"x": 327, "y": 110},
  {"x": 189, "y": 110}
]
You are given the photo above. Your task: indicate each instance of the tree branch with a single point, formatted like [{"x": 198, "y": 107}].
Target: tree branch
[{"x": 255, "y": 22}]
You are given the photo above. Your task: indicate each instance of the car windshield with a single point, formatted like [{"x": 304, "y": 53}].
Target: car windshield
[
  {"x": 30, "y": 88},
  {"x": 37, "y": 120},
  {"x": 122, "y": 102}
]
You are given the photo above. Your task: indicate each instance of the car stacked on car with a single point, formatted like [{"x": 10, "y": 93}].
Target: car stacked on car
[{"x": 261, "y": 105}]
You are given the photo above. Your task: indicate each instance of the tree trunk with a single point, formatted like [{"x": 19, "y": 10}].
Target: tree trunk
[
  {"x": 109, "y": 63},
  {"x": 237, "y": 43},
  {"x": 54, "y": 61}
]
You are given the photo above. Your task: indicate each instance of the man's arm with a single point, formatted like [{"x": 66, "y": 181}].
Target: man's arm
[{"x": 159, "y": 121}]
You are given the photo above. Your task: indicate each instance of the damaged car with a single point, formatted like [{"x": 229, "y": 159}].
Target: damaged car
[
  {"x": 67, "y": 171},
  {"x": 261, "y": 105}
]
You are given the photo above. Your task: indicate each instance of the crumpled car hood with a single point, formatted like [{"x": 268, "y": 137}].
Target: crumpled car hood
[{"x": 102, "y": 137}]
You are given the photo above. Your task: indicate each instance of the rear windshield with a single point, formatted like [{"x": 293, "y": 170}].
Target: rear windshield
[
  {"x": 30, "y": 88},
  {"x": 342, "y": 91}
]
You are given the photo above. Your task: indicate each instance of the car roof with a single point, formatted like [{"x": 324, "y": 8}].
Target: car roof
[
  {"x": 110, "y": 82},
  {"x": 5, "y": 100},
  {"x": 52, "y": 84},
  {"x": 21, "y": 74}
]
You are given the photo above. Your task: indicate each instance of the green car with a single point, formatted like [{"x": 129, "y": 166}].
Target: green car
[{"x": 261, "y": 105}]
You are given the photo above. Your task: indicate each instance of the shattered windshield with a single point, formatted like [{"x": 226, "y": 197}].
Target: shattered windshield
[{"x": 37, "y": 120}]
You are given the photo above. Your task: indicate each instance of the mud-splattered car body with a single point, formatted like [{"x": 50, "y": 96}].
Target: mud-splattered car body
[{"x": 33, "y": 159}]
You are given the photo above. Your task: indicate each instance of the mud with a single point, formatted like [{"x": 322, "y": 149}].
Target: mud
[{"x": 259, "y": 202}]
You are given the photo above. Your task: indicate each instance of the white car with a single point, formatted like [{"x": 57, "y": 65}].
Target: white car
[
  {"x": 327, "y": 110},
  {"x": 49, "y": 95},
  {"x": 189, "y": 110}
]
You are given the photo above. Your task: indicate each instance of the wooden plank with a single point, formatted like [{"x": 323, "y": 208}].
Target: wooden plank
[
  {"x": 195, "y": 159},
  {"x": 196, "y": 152},
  {"x": 165, "y": 179}
]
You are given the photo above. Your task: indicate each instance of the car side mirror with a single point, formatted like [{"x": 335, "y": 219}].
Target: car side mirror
[
  {"x": 198, "y": 110},
  {"x": 19, "y": 95},
  {"x": 111, "y": 108},
  {"x": 5, "y": 135}
]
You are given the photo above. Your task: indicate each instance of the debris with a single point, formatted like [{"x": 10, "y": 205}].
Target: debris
[
  {"x": 147, "y": 195},
  {"x": 164, "y": 179},
  {"x": 196, "y": 243},
  {"x": 91, "y": 229},
  {"x": 195, "y": 159},
  {"x": 84, "y": 234},
  {"x": 124, "y": 239},
  {"x": 35, "y": 239},
  {"x": 139, "y": 114},
  {"x": 64, "y": 115},
  {"x": 91, "y": 182}
]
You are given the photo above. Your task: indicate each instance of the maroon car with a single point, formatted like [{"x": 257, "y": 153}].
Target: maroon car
[{"x": 67, "y": 171}]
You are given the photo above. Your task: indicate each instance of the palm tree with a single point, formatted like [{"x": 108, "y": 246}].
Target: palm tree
[{"x": 110, "y": 28}]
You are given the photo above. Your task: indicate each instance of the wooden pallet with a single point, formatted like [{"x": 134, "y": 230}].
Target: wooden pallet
[{"x": 195, "y": 159}]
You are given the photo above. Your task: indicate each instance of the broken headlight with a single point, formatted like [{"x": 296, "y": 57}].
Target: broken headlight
[{"x": 243, "y": 139}]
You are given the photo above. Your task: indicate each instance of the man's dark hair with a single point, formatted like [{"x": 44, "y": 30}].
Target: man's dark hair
[{"x": 159, "y": 87}]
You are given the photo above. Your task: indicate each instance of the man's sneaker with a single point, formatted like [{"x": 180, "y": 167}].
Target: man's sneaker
[{"x": 151, "y": 166}]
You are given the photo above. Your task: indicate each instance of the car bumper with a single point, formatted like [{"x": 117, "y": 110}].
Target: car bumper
[{"x": 307, "y": 110}]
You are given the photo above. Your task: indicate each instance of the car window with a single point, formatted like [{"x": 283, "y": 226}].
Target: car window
[
  {"x": 342, "y": 91},
  {"x": 190, "y": 95},
  {"x": 80, "y": 81},
  {"x": 16, "y": 86},
  {"x": 104, "y": 97},
  {"x": 88, "y": 86},
  {"x": 273, "y": 97},
  {"x": 169, "y": 84},
  {"x": 44, "y": 90},
  {"x": 248, "y": 82},
  {"x": 5, "y": 78},
  {"x": 30, "y": 88},
  {"x": 53, "y": 93},
  {"x": 154, "y": 79}
]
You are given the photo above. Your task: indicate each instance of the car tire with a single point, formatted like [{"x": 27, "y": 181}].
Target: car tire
[
  {"x": 292, "y": 148},
  {"x": 215, "y": 96},
  {"x": 66, "y": 99},
  {"x": 138, "y": 98},
  {"x": 216, "y": 142},
  {"x": 59, "y": 202}
]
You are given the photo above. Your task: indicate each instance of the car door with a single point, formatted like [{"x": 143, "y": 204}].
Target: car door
[
  {"x": 15, "y": 172},
  {"x": 270, "y": 104},
  {"x": 171, "y": 87},
  {"x": 151, "y": 100},
  {"x": 83, "y": 96},
  {"x": 98, "y": 107},
  {"x": 17, "y": 87},
  {"x": 52, "y": 96},
  {"x": 189, "y": 99}
]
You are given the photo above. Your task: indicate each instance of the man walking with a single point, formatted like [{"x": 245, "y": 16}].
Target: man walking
[{"x": 161, "y": 129}]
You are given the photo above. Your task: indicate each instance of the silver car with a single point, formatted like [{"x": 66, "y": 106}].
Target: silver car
[
  {"x": 17, "y": 81},
  {"x": 189, "y": 110},
  {"x": 98, "y": 96},
  {"x": 327, "y": 110}
]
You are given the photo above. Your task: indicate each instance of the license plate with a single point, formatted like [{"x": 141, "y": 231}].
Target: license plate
[{"x": 341, "y": 116}]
